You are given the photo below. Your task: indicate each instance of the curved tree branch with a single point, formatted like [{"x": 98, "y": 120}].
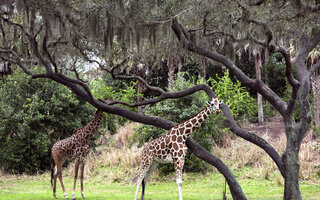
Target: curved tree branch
[
  {"x": 251, "y": 137},
  {"x": 259, "y": 86},
  {"x": 307, "y": 7}
]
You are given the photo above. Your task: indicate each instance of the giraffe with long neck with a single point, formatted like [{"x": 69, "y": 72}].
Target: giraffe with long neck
[
  {"x": 76, "y": 148},
  {"x": 171, "y": 147}
]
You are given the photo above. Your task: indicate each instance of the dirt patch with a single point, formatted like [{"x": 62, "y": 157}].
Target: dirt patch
[{"x": 272, "y": 128}]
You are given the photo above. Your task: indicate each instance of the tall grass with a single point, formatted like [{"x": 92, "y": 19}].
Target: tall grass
[
  {"x": 115, "y": 162},
  {"x": 238, "y": 153}
]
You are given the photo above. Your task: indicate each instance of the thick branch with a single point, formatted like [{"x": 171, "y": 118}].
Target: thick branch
[
  {"x": 307, "y": 7},
  {"x": 155, "y": 89},
  {"x": 292, "y": 81},
  {"x": 203, "y": 154},
  {"x": 251, "y": 137},
  {"x": 314, "y": 67},
  {"x": 306, "y": 45},
  {"x": 172, "y": 95}
]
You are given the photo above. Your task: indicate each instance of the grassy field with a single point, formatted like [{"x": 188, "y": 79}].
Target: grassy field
[{"x": 195, "y": 186}]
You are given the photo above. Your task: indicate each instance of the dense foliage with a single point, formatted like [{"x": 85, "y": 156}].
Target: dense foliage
[
  {"x": 116, "y": 90},
  {"x": 34, "y": 114}
]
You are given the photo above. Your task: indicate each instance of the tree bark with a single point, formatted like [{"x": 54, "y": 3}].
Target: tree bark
[
  {"x": 180, "y": 66},
  {"x": 315, "y": 78},
  {"x": 139, "y": 98},
  {"x": 202, "y": 69},
  {"x": 259, "y": 96},
  {"x": 170, "y": 73}
]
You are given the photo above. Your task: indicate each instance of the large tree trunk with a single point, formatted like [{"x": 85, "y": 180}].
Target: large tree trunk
[
  {"x": 259, "y": 96},
  {"x": 291, "y": 184},
  {"x": 180, "y": 66},
  {"x": 139, "y": 98},
  {"x": 315, "y": 90},
  {"x": 170, "y": 73},
  {"x": 291, "y": 162},
  {"x": 202, "y": 69}
]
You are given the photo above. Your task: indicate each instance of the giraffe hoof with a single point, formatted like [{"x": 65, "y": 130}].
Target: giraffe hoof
[
  {"x": 83, "y": 195},
  {"x": 74, "y": 198}
]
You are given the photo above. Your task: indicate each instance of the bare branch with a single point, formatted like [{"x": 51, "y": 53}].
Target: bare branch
[
  {"x": 258, "y": 3},
  {"x": 307, "y": 7},
  {"x": 171, "y": 95},
  {"x": 249, "y": 136},
  {"x": 155, "y": 89},
  {"x": 210, "y": 33},
  {"x": 314, "y": 67}
]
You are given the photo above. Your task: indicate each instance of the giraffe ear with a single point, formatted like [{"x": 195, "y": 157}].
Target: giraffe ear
[
  {"x": 220, "y": 102},
  {"x": 208, "y": 103}
]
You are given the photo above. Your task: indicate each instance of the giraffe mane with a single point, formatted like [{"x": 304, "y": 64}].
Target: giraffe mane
[{"x": 190, "y": 117}]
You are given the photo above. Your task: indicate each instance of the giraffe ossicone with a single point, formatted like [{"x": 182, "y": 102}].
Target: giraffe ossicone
[
  {"x": 76, "y": 148},
  {"x": 171, "y": 147}
]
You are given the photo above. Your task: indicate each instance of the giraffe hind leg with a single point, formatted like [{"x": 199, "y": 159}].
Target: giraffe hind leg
[
  {"x": 147, "y": 176},
  {"x": 144, "y": 167},
  {"x": 76, "y": 168},
  {"x": 55, "y": 175}
]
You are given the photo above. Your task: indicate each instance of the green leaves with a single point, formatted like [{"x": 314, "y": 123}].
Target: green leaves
[{"x": 235, "y": 96}]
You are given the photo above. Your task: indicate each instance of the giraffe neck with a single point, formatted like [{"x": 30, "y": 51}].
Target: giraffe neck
[
  {"x": 92, "y": 126},
  {"x": 194, "y": 122}
]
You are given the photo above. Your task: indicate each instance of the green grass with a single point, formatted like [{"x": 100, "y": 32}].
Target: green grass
[{"x": 194, "y": 187}]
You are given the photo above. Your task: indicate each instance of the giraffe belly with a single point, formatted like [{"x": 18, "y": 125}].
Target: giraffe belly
[{"x": 164, "y": 159}]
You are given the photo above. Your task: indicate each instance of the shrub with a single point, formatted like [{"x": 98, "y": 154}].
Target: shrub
[
  {"x": 241, "y": 104},
  {"x": 116, "y": 90}
]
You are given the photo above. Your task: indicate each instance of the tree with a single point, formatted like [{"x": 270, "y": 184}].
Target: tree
[
  {"x": 50, "y": 32},
  {"x": 266, "y": 33},
  {"x": 257, "y": 58}
]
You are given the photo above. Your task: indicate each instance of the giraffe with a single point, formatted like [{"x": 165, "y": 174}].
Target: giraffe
[
  {"x": 76, "y": 148},
  {"x": 171, "y": 147}
]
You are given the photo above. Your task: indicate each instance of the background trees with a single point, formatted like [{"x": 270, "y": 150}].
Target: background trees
[{"x": 114, "y": 36}]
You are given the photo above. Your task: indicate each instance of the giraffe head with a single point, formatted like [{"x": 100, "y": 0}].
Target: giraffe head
[{"x": 214, "y": 104}]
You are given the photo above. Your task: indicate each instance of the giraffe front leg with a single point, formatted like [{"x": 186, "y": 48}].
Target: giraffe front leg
[
  {"x": 76, "y": 169},
  {"x": 61, "y": 182},
  {"x": 178, "y": 165}
]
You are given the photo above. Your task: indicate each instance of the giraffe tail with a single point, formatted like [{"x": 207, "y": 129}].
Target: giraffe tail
[{"x": 52, "y": 171}]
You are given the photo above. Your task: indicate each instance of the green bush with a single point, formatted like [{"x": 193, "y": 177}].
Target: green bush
[
  {"x": 34, "y": 114},
  {"x": 241, "y": 104},
  {"x": 116, "y": 90}
]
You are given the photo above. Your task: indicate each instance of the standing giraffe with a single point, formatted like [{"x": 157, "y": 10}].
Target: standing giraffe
[
  {"x": 171, "y": 147},
  {"x": 74, "y": 147}
]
